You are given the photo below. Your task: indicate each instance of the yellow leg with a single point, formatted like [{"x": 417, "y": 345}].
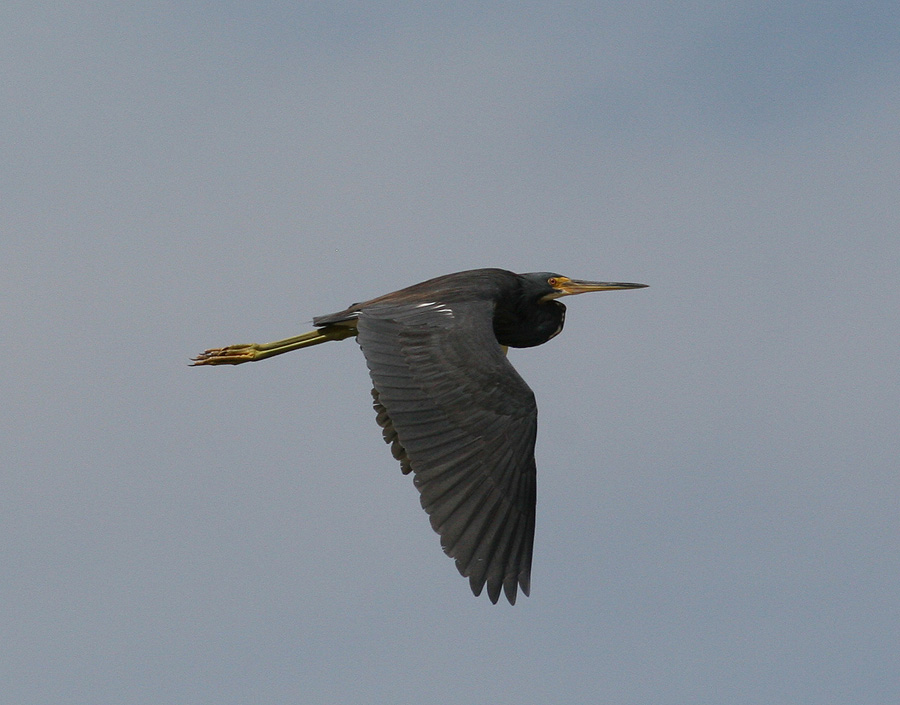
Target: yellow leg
[{"x": 252, "y": 352}]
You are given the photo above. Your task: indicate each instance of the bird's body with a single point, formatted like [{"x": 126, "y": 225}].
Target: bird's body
[
  {"x": 516, "y": 323},
  {"x": 454, "y": 410}
]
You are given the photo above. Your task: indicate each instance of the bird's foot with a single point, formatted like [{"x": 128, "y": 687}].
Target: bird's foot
[
  {"x": 229, "y": 355},
  {"x": 253, "y": 352}
]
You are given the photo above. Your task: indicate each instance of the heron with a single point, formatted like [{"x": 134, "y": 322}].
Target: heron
[{"x": 453, "y": 409}]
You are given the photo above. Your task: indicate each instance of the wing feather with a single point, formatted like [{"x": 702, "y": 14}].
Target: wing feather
[{"x": 459, "y": 416}]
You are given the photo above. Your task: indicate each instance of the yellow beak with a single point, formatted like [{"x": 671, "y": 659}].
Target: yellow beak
[{"x": 568, "y": 287}]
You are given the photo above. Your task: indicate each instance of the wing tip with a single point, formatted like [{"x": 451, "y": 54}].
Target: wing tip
[{"x": 508, "y": 587}]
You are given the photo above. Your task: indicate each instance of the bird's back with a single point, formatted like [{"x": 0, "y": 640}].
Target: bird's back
[{"x": 471, "y": 285}]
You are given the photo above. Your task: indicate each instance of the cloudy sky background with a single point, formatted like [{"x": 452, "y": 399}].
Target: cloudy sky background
[{"x": 718, "y": 485}]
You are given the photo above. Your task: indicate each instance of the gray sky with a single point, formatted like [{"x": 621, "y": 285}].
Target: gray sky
[{"x": 718, "y": 486}]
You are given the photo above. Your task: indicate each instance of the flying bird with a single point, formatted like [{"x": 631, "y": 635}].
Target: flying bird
[{"x": 454, "y": 410}]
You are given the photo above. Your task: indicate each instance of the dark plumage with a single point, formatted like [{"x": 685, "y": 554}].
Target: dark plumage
[{"x": 453, "y": 409}]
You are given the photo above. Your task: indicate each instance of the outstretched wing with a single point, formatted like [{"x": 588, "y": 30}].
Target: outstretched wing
[{"x": 461, "y": 418}]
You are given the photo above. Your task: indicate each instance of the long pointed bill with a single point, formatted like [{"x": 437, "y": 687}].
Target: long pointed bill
[{"x": 569, "y": 287}]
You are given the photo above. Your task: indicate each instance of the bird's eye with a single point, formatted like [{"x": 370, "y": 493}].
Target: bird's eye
[{"x": 553, "y": 281}]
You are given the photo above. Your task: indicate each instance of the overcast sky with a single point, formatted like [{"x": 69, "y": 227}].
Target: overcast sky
[{"x": 717, "y": 454}]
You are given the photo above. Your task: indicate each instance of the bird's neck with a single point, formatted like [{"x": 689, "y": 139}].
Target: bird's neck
[{"x": 528, "y": 325}]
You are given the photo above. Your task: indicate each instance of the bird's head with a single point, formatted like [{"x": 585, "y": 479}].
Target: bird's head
[{"x": 546, "y": 286}]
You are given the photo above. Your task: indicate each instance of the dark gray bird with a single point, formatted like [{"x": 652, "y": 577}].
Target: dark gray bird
[{"x": 453, "y": 409}]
